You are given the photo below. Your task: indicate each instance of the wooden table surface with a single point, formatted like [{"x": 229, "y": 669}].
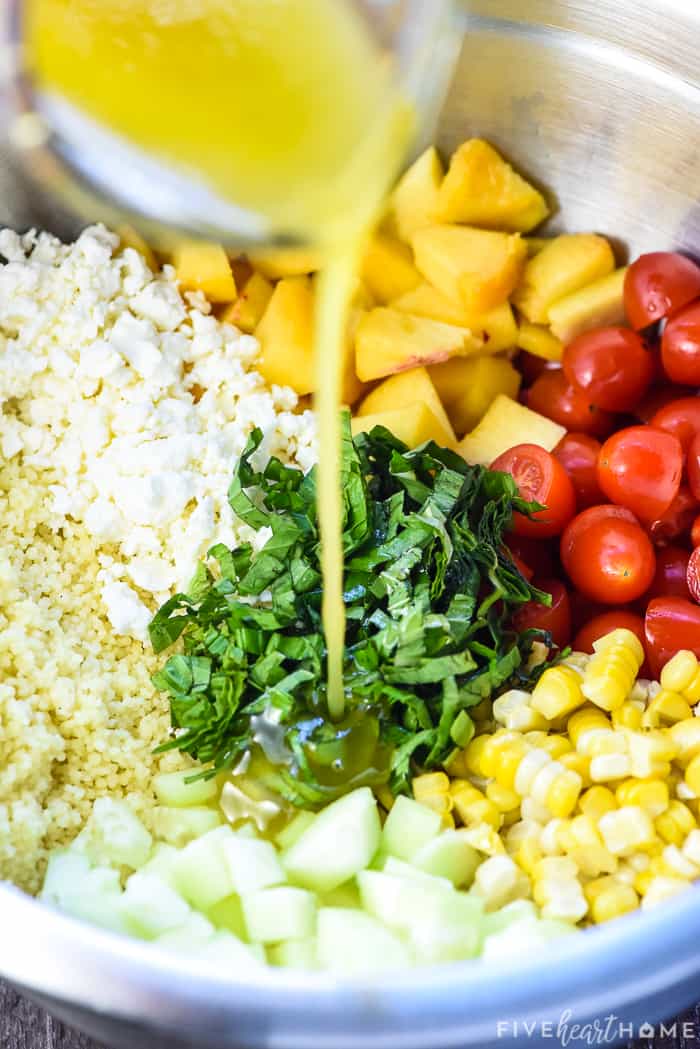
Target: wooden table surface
[{"x": 24, "y": 1026}]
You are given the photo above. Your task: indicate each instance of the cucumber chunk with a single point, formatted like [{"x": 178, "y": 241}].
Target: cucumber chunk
[
  {"x": 290, "y": 834},
  {"x": 409, "y": 827},
  {"x": 294, "y": 954},
  {"x": 227, "y": 951},
  {"x": 163, "y": 863},
  {"x": 397, "y": 901},
  {"x": 180, "y": 826},
  {"x": 194, "y": 932},
  {"x": 172, "y": 789},
  {"x": 278, "y": 914},
  {"x": 203, "y": 874},
  {"x": 228, "y": 914},
  {"x": 353, "y": 943},
  {"x": 337, "y": 845},
  {"x": 150, "y": 906},
  {"x": 449, "y": 856},
  {"x": 253, "y": 863},
  {"x": 91, "y": 893}
]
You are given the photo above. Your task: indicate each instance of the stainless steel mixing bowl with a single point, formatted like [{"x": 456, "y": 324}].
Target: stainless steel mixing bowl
[{"x": 601, "y": 102}]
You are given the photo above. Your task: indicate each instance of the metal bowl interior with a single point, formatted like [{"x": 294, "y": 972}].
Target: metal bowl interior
[{"x": 601, "y": 105}]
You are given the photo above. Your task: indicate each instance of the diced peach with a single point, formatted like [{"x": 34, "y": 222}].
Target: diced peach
[
  {"x": 597, "y": 305},
  {"x": 389, "y": 341},
  {"x": 406, "y": 389},
  {"x": 468, "y": 385},
  {"x": 414, "y": 424},
  {"x": 286, "y": 334},
  {"x": 387, "y": 268},
  {"x": 505, "y": 424},
  {"x": 539, "y": 340},
  {"x": 413, "y": 202},
  {"x": 496, "y": 327},
  {"x": 202, "y": 266},
  {"x": 565, "y": 265},
  {"x": 131, "y": 238},
  {"x": 277, "y": 263},
  {"x": 247, "y": 311}
]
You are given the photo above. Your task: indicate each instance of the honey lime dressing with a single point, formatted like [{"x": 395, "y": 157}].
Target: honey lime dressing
[{"x": 288, "y": 109}]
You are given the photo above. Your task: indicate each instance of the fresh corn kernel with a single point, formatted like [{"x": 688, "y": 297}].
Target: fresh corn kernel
[
  {"x": 629, "y": 715},
  {"x": 484, "y": 839},
  {"x": 626, "y": 830},
  {"x": 563, "y": 794},
  {"x": 596, "y": 801},
  {"x": 667, "y": 708},
  {"x": 536, "y": 737},
  {"x": 625, "y": 873},
  {"x": 613, "y": 668},
  {"x": 583, "y": 844},
  {"x": 528, "y": 855},
  {"x": 528, "y": 766},
  {"x": 520, "y": 832},
  {"x": 456, "y": 766},
  {"x": 498, "y": 880},
  {"x": 587, "y": 725},
  {"x": 606, "y": 767},
  {"x": 557, "y": 745},
  {"x": 534, "y": 811},
  {"x": 550, "y": 838},
  {"x": 613, "y": 902},
  {"x": 578, "y": 661},
  {"x": 650, "y": 753},
  {"x": 558, "y": 692},
  {"x": 686, "y": 738},
  {"x": 448, "y": 821},
  {"x": 472, "y": 807},
  {"x": 474, "y": 755},
  {"x": 579, "y": 763},
  {"x": 674, "y": 825},
  {"x": 677, "y": 864},
  {"x": 441, "y": 803},
  {"x": 560, "y": 867},
  {"x": 515, "y": 710},
  {"x": 692, "y": 775},
  {"x": 660, "y": 888},
  {"x": 680, "y": 671},
  {"x": 430, "y": 784},
  {"x": 593, "y": 888},
  {"x": 643, "y": 881},
  {"x": 505, "y": 800},
  {"x": 650, "y": 794}
]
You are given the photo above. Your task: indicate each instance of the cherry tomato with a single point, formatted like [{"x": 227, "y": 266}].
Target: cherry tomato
[
  {"x": 671, "y": 623},
  {"x": 583, "y": 609},
  {"x": 675, "y": 521},
  {"x": 693, "y": 574},
  {"x": 540, "y": 479},
  {"x": 611, "y": 365},
  {"x": 523, "y": 568},
  {"x": 578, "y": 454},
  {"x": 531, "y": 366},
  {"x": 692, "y": 465},
  {"x": 552, "y": 395},
  {"x": 695, "y": 531},
  {"x": 657, "y": 285},
  {"x": 599, "y": 626},
  {"x": 556, "y": 618},
  {"x": 680, "y": 346},
  {"x": 670, "y": 575},
  {"x": 534, "y": 553},
  {"x": 681, "y": 418},
  {"x": 657, "y": 398},
  {"x": 607, "y": 555},
  {"x": 641, "y": 468}
]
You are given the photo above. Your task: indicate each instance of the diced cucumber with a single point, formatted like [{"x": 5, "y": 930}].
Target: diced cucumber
[
  {"x": 194, "y": 932},
  {"x": 228, "y": 914},
  {"x": 396, "y": 901},
  {"x": 96, "y": 898},
  {"x": 66, "y": 870},
  {"x": 354, "y": 943},
  {"x": 114, "y": 836},
  {"x": 178, "y": 827},
  {"x": 409, "y": 827},
  {"x": 522, "y": 937},
  {"x": 203, "y": 874},
  {"x": 163, "y": 863},
  {"x": 400, "y": 869},
  {"x": 447, "y": 930},
  {"x": 518, "y": 910},
  {"x": 150, "y": 906},
  {"x": 172, "y": 788},
  {"x": 253, "y": 863},
  {"x": 449, "y": 856},
  {"x": 346, "y": 895},
  {"x": 278, "y": 914},
  {"x": 294, "y": 954},
  {"x": 338, "y": 844},
  {"x": 228, "y": 951},
  {"x": 290, "y": 834}
]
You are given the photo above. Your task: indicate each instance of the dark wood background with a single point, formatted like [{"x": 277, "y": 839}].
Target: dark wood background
[{"x": 24, "y": 1026}]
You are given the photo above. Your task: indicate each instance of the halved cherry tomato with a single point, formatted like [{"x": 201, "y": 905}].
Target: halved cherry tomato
[
  {"x": 578, "y": 454},
  {"x": 599, "y": 626},
  {"x": 692, "y": 465},
  {"x": 676, "y": 521},
  {"x": 612, "y": 366},
  {"x": 607, "y": 555},
  {"x": 693, "y": 574},
  {"x": 540, "y": 479},
  {"x": 658, "y": 284},
  {"x": 641, "y": 468},
  {"x": 670, "y": 575},
  {"x": 681, "y": 418},
  {"x": 657, "y": 398},
  {"x": 554, "y": 396},
  {"x": 534, "y": 553},
  {"x": 671, "y": 623},
  {"x": 680, "y": 346},
  {"x": 695, "y": 531},
  {"x": 556, "y": 618}
]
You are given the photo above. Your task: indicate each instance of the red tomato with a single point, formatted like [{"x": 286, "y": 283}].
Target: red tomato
[
  {"x": 578, "y": 454},
  {"x": 531, "y": 366},
  {"x": 692, "y": 465},
  {"x": 556, "y": 618},
  {"x": 670, "y": 575},
  {"x": 601, "y": 625},
  {"x": 695, "y": 531},
  {"x": 583, "y": 609},
  {"x": 671, "y": 623},
  {"x": 659, "y": 284},
  {"x": 540, "y": 479},
  {"x": 680, "y": 346},
  {"x": 552, "y": 395},
  {"x": 523, "y": 568},
  {"x": 676, "y": 521},
  {"x": 657, "y": 398},
  {"x": 681, "y": 418},
  {"x": 611, "y": 365},
  {"x": 693, "y": 574},
  {"x": 607, "y": 555},
  {"x": 535, "y": 554},
  {"x": 641, "y": 468}
]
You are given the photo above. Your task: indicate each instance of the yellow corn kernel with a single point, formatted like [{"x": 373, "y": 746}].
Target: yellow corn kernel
[
  {"x": 686, "y": 738},
  {"x": 504, "y": 799},
  {"x": 627, "y": 830},
  {"x": 675, "y": 823},
  {"x": 613, "y": 902},
  {"x": 661, "y": 888},
  {"x": 583, "y": 844},
  {"x": 429, "y": 784},
  {"x": 506, "y": 759},
  {"x": 473, "y": 807},
  {"x": 441, "y": 803},
  {"x": 515, "y": 711},
  {"x": 596, "y": 801},
  {"x": 650, "y": 753},
  {"x": 666, "y": 708},
  {"x": 650, "y": 794},
  {"x": 680, "y": 671},
  {"x": 585, "y": 725},
  {"x": 563, "y": 794},
  {"x": 579, "y": 763},
  {"x": 484, "y": 838},
  {"x": 643, "y": 881},
  {"x": 474, "y": 755},
  {"x": 455, "y": 765},
  {"x": 613, "y": 668},
  {"x": 558, "y": 692},
  {"x": 448, "y": 821},
  {"x": 692, "y": 775},
  {"x": 593, "y": 888},
  {"x": 557, "y": 745},
  {"x": 629, "y": 715},
  {"x": 528, "y": 855},
  {"x": 677, "y": 864}
]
